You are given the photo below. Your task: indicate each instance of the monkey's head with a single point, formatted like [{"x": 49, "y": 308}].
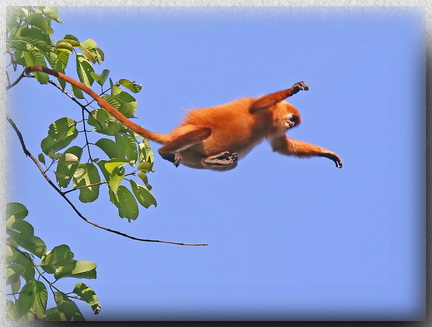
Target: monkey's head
[{"x": 286, "y": 116}]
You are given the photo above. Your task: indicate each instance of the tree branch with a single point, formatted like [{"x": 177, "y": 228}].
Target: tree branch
[{"x": 50, "y": 182}]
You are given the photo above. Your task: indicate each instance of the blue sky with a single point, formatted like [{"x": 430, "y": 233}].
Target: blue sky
[{"x": 289, "y": 238}]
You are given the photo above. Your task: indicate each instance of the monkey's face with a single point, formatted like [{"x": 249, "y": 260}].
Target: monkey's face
[{"x": 291, "y": 116}]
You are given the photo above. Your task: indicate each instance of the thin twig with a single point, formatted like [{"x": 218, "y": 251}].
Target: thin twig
[
  {"x": 70, "y": 96},
  {"x": 103, "y": 92},
  {"x": 84, "y": 186},
  {"x": 90, "y": 185},
  {"x": 17, "y": 81},
  {"x": 86, "y": 136},
  {"x": 50, "y": 182},
  {"x": 83, "y": 107}
]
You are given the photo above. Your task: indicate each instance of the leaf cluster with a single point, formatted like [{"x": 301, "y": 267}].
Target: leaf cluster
[
  {"x": 29, "y": 281},
  {"x": 121, "y": 155}
]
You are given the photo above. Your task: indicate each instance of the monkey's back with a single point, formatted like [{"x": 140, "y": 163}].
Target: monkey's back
[{"x": 233, "y": 128}]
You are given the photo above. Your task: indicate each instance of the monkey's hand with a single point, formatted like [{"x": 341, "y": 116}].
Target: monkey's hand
[
  {"x": 299, "y": 86},
  {"x": 333, "y": 156}
]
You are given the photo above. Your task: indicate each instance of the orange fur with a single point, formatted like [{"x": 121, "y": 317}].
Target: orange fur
[{"x": 214, "y": 138}]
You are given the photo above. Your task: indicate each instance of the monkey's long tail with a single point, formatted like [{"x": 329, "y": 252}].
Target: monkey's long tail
[{"x": 156, "y": 137}]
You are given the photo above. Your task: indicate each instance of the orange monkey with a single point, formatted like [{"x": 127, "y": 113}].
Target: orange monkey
[{"x": 216, "y": 137}]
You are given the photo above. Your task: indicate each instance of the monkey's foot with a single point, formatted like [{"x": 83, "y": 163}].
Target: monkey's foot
[
  {"x": 222, "y": 161},
  {"x": 171, "y": 157}
]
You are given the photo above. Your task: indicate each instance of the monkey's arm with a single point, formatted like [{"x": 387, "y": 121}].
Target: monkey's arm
[
  {"x": 287, "y": 146},
  {"x": 269, "y": 100}
]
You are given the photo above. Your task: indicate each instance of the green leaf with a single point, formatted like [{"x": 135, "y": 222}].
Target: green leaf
[
  {"x": 41, "y": 158},
  {"x": 21, "y": 232},
  {"x": 52, "y": 13},
  {"x": 143, "y": 195},
  {"x": 26, "y": 298},
  {"x": 11, "y": 254},
  {"x": 25, "y": 260},
  {"x": 115, "y": 179},
  {"x": 16, "y": 210},
  {"x": 61, "y": 262},
  {"x": 33, "y": 244},
  {"x": 87, "y": 294},
  {"x": 143, "y": 176},
  {"x": 101, "y": 78},
  {"x": 20, "y": 226},
  {"x": 126, "y": 203},
  {"x": 105, "y": 123},
  {"x": 100, "y": 54},
  {"x": 114, "y": 88},
  {"x": 123, "y": 102},
  {"x": 89, "y": 56},
  {"x": 67, "y": 165},
  {"x": 54, "y": 156},
  {"x": 145, "y": 166},
  {"x": 84, "y": 269},
  {"x": 18, "y": 56},
  {"x": 11, "y": 310},
  {"x": 130, "y": 85},
  {"x": 111, "y": 165},
  {"x": 67, "y": 309},
  {"x": 52, "y": 314},
  {"x": 145, "y": 153},
  {"x": 72, "y": 40},
  {"x": 43, "y": 23},
  {"x": 99, "y": 118},
  {"x": 89, "y": 44},
  {"x": 59, "y": 256},
  {"x": 40, "y": 300},
  {"x": 64, "y": 46},
  {"x": 84, "y": 70},
  {"x": 77, "y": 92},
  {"x": 128, "y": 147},
  {"x": 15, "y": 287},
  {"x": 60, "y": 134},
  {"x": 111, "y": 148},
  {"x": 77, "y": 269},
  {"x": 36, "y": 38},
  {"x": 33, "y": 296},
  {"x": 58, "y": 61},
  {"x": 87, "y": 174},
  {"x": 101, "y": 165},
  {"x": 13, "y": 273},
  {"x": 35, "y": 58},
  {"x": 114, "y": 127},
  {"x": 90, "y": 50}
]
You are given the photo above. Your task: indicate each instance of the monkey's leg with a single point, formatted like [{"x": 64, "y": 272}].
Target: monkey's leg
[
  {"x": 287, "y": 146},
  {"x": 269, "y": 100},
  {"x": 222, "y": 161},
  {"x": 170, "y": 150}
]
